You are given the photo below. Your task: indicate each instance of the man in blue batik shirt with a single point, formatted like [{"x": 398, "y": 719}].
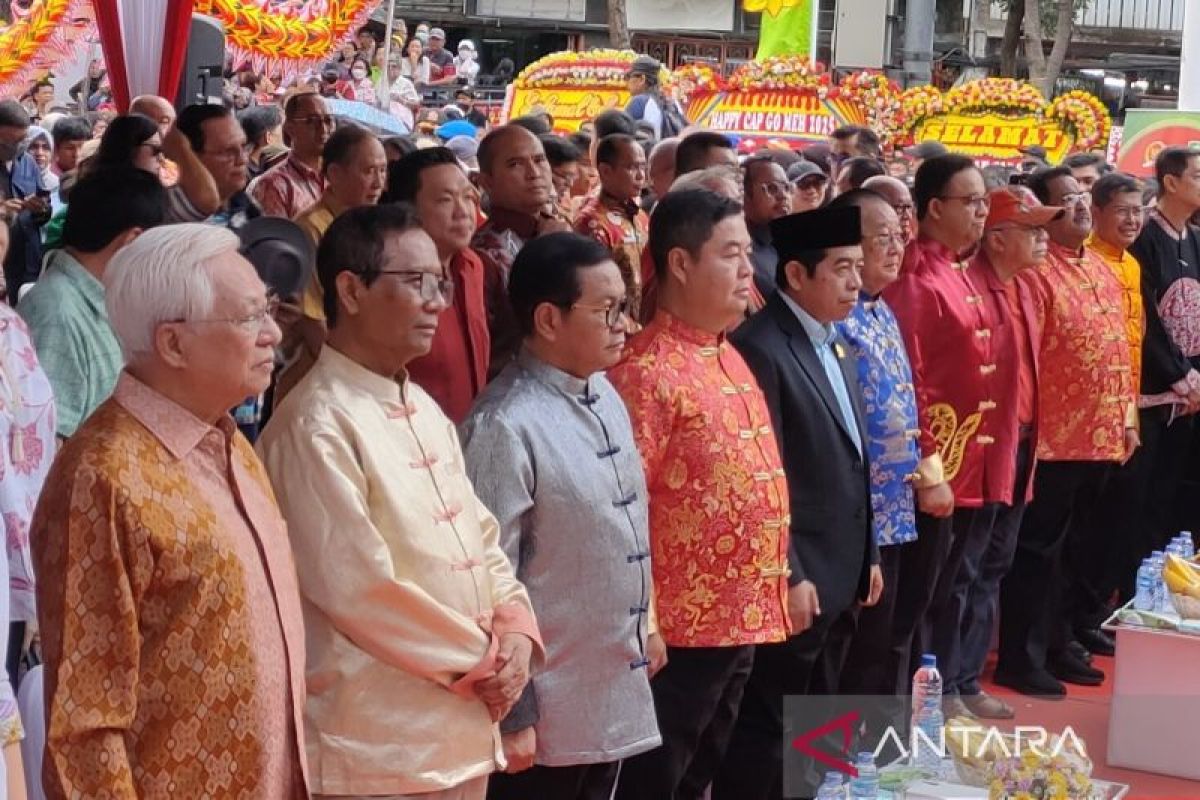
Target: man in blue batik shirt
[{"x": 878, "y": 659}]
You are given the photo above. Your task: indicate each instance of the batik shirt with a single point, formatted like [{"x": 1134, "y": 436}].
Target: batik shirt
[
  {"x": 623, "y": 228},
  {"x": 169, "y": 612},
  {"x": 893, "y": 427},
  {"x": 719, "y": 509}
]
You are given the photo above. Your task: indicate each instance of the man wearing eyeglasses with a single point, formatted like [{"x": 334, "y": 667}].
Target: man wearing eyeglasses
[
  {"x": 949, "y": 333},
  {"x": 890, "y": 419},
  {"x": 454, "y": 371},
  {"x": 167, "y": 602},
  {"x": 550, "y": 450},
  {"x": 768, "y": 197},
  {"x": 899, "y": 196},
  {"x": 295, "y": 184},
  {"x": 613, "y": 217},
  {"x": 420, "y": 638},
  {"x": 1111, "y": 565},
  {"x": 1014, "y": 243},
  {"x": 1087, "y": 424},
  {"x": 219, "y": 142}
]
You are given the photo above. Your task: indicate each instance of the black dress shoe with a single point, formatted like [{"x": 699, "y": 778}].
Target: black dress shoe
[
  {"x": 1096, "y": 641},
  {"x": 1037, "y": 683},
  {"x": 1079, "y": 651},
  {"x": 1069, "y": 669}
]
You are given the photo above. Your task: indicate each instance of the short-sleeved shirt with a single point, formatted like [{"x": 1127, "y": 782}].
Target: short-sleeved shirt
[
  {"x": 287, "y": 189},
  {"x": 441, "y": 63},
  {"x": 74, "y": 341}
]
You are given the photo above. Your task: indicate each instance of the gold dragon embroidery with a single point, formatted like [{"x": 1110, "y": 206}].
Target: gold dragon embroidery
[{"x": 951, "y": 437}]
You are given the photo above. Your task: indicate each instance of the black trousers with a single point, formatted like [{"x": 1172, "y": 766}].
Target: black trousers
[
  {"x": 807, "y": 664},
  {"x": 942, "y": 626},
  {"x": 1033, "y": 593},
  {"x": 866, "y": 670},
  {"x": 1168, "y": 453},
  {"x": 696, "y": 698},
  {"x": 960, "y": 619},
  {"x": 921, "y": 563},
  {"x": 576, "y": 782}
]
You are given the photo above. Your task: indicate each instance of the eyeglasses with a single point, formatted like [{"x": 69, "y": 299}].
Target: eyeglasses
[
  {"x": 1129, "y": 212},
  {"x": 1071, "y": 198},
  {"x": 976, "y": 202},
  {"x": 428, "y": 285},
  {"x": 613, "y": 312},
  {"x": 884, "y": 240},
  {"x": 904, "y": 208},
  {"x": 251, "y": 323},
  {"x": 776, "y": 190},
  {"x": 234, "y": 153},
  {"x": 324, "y": 120}
]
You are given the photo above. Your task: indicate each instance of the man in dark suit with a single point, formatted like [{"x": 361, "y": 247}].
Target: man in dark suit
[{"x": 809, "y": 378}]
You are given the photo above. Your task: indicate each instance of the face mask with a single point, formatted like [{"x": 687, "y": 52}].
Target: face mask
[{"x": 359, "y": 74}]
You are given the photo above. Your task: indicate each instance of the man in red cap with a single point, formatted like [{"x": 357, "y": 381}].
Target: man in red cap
[
  {"x": 1014, "y": 240},
  {"x": 1087, "y": 422}
]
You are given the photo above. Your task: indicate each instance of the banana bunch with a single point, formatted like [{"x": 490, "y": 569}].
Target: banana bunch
[
  {"x": 964, "y": 737},
  {"x": 1181, "y": 576}
]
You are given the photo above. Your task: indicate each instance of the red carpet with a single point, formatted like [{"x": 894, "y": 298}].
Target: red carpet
[{"x": 1086, "y": 711}]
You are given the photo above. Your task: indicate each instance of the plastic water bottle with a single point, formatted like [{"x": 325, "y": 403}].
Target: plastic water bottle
[
  {"x": 1144, "y": 598},
  {"x": 1189, "y": 545},
  {"x": 831, "y": 789},
  {"x": 866, "y": 785},
  {"x": 1160, "y": 586},
  {"x": 927, "y": 715}
]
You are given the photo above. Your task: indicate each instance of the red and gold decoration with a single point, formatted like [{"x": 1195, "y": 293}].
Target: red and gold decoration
[
  {"x": 994, "y": 118},
  {"x": 43, "y": 34},
  {"x": 279, "y": 38}
]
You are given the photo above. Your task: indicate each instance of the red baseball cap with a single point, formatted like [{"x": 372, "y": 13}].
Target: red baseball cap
[{"x": 1020, "y": 205}]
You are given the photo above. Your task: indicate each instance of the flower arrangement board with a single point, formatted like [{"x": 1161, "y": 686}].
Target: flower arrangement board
[
  {"x": 784, "y": 101},
  {"x": 775, "y": 119},
  {"x": 993, "y": 119},
  {"x": 572, "y": 86}
]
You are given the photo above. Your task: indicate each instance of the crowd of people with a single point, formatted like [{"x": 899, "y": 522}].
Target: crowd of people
[
  {"x": 541, "y": 465},
  {"x": 409, "y": 75}
]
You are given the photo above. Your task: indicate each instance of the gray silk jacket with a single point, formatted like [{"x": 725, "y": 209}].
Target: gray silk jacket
[{"x": 553, "y": 457}]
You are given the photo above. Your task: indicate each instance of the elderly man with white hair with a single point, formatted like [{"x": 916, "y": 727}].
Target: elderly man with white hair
[{"x": 167, "y": 598}]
